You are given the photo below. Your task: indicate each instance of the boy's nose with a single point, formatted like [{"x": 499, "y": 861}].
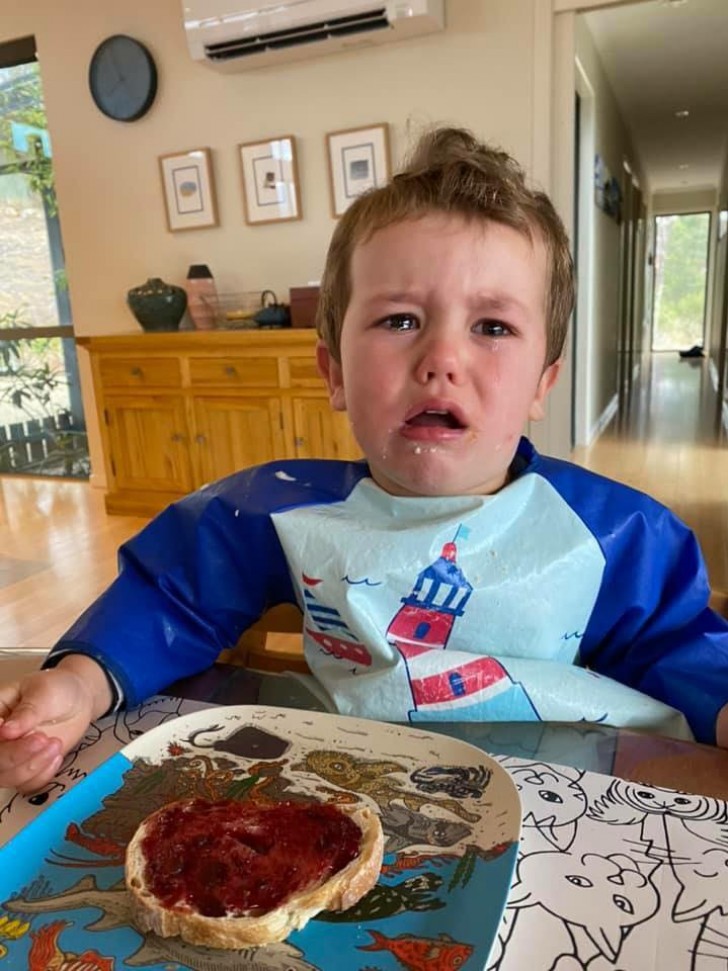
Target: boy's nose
[{"x": 439, "y": 359}]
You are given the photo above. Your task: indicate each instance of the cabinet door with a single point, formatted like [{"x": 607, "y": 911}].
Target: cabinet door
[
  {"x": 148, "y": 442},
  {"x": 234, "y": 433},
  {"x": 321, "y": 432}
]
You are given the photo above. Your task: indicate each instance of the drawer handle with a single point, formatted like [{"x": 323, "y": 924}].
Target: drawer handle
[
  {"x": 137, "y": 372},
  {"x": 200, "y": 439},
  {"x": 232, "y": 372}
]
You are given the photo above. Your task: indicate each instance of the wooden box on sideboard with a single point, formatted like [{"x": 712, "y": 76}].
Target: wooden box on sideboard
[{"x": 304, "y": 301}]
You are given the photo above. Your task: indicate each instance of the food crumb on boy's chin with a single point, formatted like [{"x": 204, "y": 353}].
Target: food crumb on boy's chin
[{"x": 426, "y": 449}]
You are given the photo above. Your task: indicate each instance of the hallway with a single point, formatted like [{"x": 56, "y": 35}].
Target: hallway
[{"x": 666, "y": 444}]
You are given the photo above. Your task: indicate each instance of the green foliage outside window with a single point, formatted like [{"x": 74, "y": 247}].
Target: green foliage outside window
[
  {"x": 21, "y": 100},
  {"x": 31, "y": 369},
  {"x": 681, "y": 258}
]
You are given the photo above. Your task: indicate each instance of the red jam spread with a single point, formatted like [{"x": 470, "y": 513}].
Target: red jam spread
[{"x": 238, "y": 859}]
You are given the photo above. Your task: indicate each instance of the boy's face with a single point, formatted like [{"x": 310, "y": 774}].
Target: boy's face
[{"x": 442, "y": 353}]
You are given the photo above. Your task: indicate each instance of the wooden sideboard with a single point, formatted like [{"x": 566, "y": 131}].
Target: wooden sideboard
[{"x": 178, "y": 410}]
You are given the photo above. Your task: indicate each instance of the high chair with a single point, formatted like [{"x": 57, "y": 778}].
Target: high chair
[
  {"x": 273, "y": 643},
  {"x": 719, "y": 602}
]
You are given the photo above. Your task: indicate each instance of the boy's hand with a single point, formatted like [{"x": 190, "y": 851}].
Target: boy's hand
[
  {"x": 43, "y": 715},
  {"x": 721, "y": 727}
]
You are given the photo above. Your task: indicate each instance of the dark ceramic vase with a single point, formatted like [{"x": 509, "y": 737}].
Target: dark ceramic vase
[{"x": 157, "y": 305}]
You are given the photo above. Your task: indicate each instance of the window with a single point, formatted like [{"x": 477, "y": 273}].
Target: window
[
  {"x": 681, "y": 271},
  {"x": 42, "y": 427}
]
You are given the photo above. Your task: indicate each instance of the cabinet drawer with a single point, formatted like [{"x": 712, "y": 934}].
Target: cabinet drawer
[
  {"x": 130, "y": 372},
  {"x": 303, "y": 372},
  {"x": 251, "y": 372}
]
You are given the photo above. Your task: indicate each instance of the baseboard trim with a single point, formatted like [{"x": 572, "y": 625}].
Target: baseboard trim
[
  {"x": 601, "y": 423},
  {"x": 713, "y": 372}
]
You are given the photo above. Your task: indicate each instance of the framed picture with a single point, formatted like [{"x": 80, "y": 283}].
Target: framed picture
[
  {"x": 358, "y": 160},
  {"x": 189, "y": 192},
  {"x": 270, "y": 180}
]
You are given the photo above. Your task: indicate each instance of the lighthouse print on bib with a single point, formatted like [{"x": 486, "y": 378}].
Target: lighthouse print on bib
[{"x": 411, "y": 606}]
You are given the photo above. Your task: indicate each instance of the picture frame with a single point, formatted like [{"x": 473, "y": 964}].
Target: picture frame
[
  {"x": 358, "y": 159},
  {"x": 188, "y": 189},
  {"x": 269, "y": 170}
]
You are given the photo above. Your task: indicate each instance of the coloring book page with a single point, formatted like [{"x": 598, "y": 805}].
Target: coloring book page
[{"x": 614, "y": 875}]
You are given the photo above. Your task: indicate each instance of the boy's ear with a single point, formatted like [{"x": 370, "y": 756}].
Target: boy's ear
[
  {"x": 545, "y": 384},
  {"x": 330, "y": 371}
]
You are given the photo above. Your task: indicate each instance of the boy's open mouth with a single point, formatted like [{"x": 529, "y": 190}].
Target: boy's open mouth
[{"x": 435, "y": 418}]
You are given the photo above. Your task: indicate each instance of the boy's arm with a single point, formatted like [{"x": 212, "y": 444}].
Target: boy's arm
[
  {"x": 189, "y": 584},
  {"x": 653, "y": 630},
  {"x": 650, "y": 626}
]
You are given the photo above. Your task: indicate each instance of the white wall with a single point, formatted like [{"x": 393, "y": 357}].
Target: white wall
[
  {"x": 718, "y": 333},
  {"x": 613, "y": 144}
]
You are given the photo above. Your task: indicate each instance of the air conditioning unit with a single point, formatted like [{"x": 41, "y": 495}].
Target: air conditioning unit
[{"x": 233, "y": 35}]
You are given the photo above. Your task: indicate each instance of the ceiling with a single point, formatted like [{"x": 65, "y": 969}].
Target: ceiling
[{"x": 663, "y": 56}]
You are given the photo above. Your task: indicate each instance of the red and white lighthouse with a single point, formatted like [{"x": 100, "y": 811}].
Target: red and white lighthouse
[{"x": 438, "y": 598}]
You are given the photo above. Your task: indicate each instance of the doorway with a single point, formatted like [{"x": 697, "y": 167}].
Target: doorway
[
  {"x": 680, "y": 281},
  {"x": 42, "y": 427},
  {"x": 584, "y": 365}
]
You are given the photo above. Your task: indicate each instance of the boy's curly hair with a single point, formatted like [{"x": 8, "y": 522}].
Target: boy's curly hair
[{"x": 451, "y": 171}]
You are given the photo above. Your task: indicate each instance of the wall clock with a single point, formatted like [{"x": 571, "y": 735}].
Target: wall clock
[{"x": 122, "y": 77}]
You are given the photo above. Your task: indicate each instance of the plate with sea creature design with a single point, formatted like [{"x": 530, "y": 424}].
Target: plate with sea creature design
[{"x": 451, "y": 818}]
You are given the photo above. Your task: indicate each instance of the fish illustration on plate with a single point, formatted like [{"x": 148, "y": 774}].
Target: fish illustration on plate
[
  {"x": 46, "y": 953},
  {"x": 413, "y": 894},
  {"x": 422, "y": 953},
  {"x": 373, "y": 778}
]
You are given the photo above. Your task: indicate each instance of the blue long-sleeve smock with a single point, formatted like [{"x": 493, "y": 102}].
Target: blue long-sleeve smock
[{"x": 564, "y": 596}]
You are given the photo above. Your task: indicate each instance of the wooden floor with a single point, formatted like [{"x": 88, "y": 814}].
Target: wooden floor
[
  {"x": 57, "y": 553},
  {"x": 668, "y": 441},
  {"x": 58, "y": 547}
]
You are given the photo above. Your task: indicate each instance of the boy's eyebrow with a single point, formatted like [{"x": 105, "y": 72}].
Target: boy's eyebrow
[
  {"x": 395, "y": 296},
  {"x": 496, "y": 302}
]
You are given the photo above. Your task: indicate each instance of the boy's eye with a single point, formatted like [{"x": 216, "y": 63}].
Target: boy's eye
[
  {"x": 400, "y": 322},
  {"x": 492, "y": 328}
]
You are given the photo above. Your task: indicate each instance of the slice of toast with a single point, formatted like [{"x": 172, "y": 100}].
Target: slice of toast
[{"x": 235, "y": 929}]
